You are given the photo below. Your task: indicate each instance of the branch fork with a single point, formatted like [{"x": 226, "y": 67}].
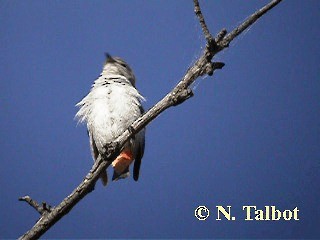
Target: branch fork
[{"x": 42, "y": 209}]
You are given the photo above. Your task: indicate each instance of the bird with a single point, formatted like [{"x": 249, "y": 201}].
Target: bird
[{"x": 110, "y": 107}]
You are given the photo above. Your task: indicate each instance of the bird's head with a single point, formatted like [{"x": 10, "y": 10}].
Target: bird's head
[{"x": 115, "y": 65}]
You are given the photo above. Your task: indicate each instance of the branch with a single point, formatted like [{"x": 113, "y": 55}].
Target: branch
[
  {"x": 248, "y": 22},
  {"x": 203, "y": 24},
  {"x": 180, "y": 93}
]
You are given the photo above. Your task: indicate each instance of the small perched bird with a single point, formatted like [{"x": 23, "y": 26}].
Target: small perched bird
[{"x": 110, "y": 107}]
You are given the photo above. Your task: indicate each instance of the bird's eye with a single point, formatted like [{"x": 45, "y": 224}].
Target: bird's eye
[{"x": 123, "y": 65}]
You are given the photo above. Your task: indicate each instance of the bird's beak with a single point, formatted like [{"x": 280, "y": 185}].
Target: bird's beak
[{"x": 109, "y": 59}]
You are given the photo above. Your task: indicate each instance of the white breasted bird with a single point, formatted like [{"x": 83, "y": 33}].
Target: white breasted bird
[{"x": 110, "y": 107}]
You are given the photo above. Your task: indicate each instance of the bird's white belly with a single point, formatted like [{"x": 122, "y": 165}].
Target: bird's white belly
[{"x": 112, "y": 113}]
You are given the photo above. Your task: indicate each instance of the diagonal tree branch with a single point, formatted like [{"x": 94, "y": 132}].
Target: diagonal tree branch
[
  {"x": 248, "y": 22},
  {"x": 180, "y": 93}
]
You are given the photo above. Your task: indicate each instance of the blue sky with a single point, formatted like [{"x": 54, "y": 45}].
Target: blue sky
[{"x": 249, "y": 136}]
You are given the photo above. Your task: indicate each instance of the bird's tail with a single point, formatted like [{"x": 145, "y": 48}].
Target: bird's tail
[{"x": 104, "y": 178}]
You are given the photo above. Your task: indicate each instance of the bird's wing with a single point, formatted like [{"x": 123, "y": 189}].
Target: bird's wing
[
  {"x": 95, "y": 154},
  {"x": 93, "y": 147}
]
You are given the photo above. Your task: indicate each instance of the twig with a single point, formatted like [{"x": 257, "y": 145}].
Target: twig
[
  {"x": 178, "y": 95},
  {"x": 203, "y": 24},
  {"x": 40, "y": 209}
]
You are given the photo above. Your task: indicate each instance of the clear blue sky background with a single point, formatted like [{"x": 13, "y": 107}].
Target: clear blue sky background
[{"x": 249, "y": 136}]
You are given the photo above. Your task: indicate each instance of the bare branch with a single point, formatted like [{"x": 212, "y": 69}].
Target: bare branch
[
  {"x": 178, "y": 95},
  {"x": 248, "y": 22},
  {"x": 48, "y": 220}
]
